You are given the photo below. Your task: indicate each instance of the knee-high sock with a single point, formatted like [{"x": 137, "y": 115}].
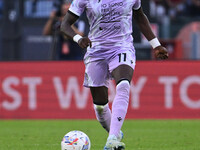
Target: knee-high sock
[
  {"x": 103, "y": 115},
  {"x": 119, "y": 107}
]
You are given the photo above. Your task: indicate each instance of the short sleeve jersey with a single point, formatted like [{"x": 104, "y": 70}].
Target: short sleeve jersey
[{"x": 110, "y": 21}]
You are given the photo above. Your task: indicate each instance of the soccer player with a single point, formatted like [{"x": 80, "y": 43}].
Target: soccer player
[{"x": 110, "y": 54}]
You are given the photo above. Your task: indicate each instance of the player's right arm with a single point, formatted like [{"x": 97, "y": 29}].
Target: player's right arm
[{"x": 66, "y": 28}]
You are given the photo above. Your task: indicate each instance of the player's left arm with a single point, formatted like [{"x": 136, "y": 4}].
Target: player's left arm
[{"x": 145, "y": 27}]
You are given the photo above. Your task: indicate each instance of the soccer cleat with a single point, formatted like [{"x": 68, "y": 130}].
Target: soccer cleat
[{"x": 114, "y": 144}]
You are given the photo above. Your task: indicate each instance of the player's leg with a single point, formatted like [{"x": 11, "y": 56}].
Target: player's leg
[
  {"x": 102, "y": 110},
  {"x": 122, "y": 71},
  {"x": 96, "y": 77},
  {"x": 122, "y": 76},
  {"x": 101, "y": 107}
]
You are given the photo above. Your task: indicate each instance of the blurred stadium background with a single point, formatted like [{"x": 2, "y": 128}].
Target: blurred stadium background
[
  {"x": 176, "y": 22},
  {"x": 35, "y": 85},
  {"x": 29, "y": 72}
]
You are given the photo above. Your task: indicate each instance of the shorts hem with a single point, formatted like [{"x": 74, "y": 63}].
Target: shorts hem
[{"x": 88, "y": 86}]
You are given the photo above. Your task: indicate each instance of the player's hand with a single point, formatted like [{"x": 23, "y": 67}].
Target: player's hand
[
  {"x": 84, "y": 42},
  {"x": 160, "y": 52}
]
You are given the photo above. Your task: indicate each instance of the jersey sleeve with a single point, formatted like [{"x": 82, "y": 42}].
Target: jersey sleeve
[
  {"x": 77, "y": 7},
  {"x": 137, "y": 5}
]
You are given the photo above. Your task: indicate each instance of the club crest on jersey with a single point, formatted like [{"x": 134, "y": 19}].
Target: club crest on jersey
[{"x": 119, "y": 118}]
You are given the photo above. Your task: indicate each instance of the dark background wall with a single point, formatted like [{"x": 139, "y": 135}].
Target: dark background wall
[{"x": 22, "y": 22}]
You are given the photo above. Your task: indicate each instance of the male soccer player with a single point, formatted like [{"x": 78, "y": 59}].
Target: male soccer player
[{"x": 110, "y": 53}]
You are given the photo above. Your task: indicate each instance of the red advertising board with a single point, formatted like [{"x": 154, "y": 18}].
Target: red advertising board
[{"x": 53, "y": 90}]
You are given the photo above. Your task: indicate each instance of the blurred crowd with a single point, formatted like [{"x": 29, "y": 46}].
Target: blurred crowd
[
  {"x": 163, "y": 13},
  {"x": 158, "y": 8},
  {"x": 1, "y": 8},
  {"x": 63, "y": 48},
  {"x": 174, "y": 8}
]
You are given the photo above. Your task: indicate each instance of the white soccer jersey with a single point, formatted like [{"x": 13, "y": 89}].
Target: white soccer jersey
[{"x": 110, "y": 22}]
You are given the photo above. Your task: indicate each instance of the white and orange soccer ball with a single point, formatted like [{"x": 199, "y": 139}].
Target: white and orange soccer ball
[{"x": 75, "y": 140}]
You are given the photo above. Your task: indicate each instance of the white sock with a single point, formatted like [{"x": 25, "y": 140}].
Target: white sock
[
  {"x": 119, "y": 107},
  {"x": 103, "y": 115}
]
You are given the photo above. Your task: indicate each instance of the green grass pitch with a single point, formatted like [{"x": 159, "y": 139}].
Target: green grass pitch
[{"x": 138, "y": 134}]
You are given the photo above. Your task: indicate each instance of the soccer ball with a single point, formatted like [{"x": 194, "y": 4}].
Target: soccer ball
[{"x": 75, "y": 140}]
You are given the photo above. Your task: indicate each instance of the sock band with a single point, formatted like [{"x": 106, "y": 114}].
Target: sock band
[
  {"x": 123, "y": 79},
  {"x": 102, "y": 106}
]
